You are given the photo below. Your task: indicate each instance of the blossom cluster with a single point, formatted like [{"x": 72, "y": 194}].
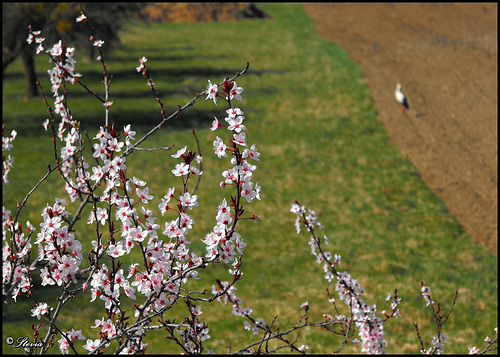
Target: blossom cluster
[
  {"x": 166, "y": 265},
  {"x": 16, "y": 268},
  {"x": 224, "y": 241},
  {"x": 58, "y": 249},
  {"x": 370, "y": 327},
  {"x": 8, "y": 162}
]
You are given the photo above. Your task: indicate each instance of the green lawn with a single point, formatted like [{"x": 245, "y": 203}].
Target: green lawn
[{"x": 311, "y": 115}]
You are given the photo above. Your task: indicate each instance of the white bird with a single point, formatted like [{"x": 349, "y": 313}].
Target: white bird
[{"x": 401, "y": 98}]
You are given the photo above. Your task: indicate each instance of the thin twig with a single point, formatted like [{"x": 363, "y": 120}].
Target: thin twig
[
  {"x": 155, "y": 149},
  {"x": 201, "y": 162}
]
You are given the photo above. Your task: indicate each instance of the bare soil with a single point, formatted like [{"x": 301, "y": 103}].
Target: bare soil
[
  {"x": 445, "y": 57},
  {"x": 203, "y": 12}
]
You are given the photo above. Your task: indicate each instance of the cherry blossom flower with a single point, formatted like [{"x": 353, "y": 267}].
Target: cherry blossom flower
[
  {"x": 239, "y": 243},
  {"x": 247, "y": 190},
  {"x": 240, "y": 139},
  {"x": 247, "y": 325},
  {"x": 142, "y": 62},
  {"x": 297, "y": 208},
  {"x": 223, "y": 214},
  {"x": 196, "y": 310},
  {"x": 212, "y": 91},
  {"x": 202, "y": 333},
  {"x": 215, "y": 124},
  {"x": 303, "y": 348},
  {"x": 92, "y": 345},
  {"x": 473, "y": 350},
  {"x": 30, "y": 38},
  {"x": 115, "y": 145},
  {"x": 116, "y": 251},
  {"x": 138, "y": 234},
  {"x": 144, "y": 195},
  {"x": 181, "y": 169},
  {"x": 57, "y": 49},
  {"x": 232, "y": 90},
  {"x": 101, "y": 215},
  {"x": 233, "y": 112},
  {"x": 220, "y": 148},
  {"x": 179, "y": 153},
  {"x": 81, "y": 18},
  {"x": 251, "y": 153},
  {"x": 188, "y": 201},
  {"x": 8, "y": 161},
  {"x": 426, "y": 294},
  {"x": 40, "y": 309},
  {"x": 129, "y": 134},
  {"x": 46, "y": 124},
  {"x": 97, "y": 173}
]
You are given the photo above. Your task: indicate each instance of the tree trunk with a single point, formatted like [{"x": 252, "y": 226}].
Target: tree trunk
[{"x": 29, "y": 73}]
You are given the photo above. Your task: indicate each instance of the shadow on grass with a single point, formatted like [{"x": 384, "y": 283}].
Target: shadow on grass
[
  {"x": 91, "y": 118},
  {"x": 191, "y": 118},
  {"x": 186, "y": 120}
]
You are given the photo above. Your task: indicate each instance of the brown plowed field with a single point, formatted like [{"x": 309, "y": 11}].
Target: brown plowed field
[{"x": 445, "y": 57}]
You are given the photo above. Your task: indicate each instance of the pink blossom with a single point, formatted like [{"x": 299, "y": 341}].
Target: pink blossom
[
  {"x": 101, "y": 215},
  {"x": 179, "y": 153},
  {"x": 142, "y": 62},
  {"x": 92, "y": 345},
  {"x": 233, "y": 112},
  {"x": 215, "y": 124},
  {"x": 297, "y": 209},
  {"x": 236, "y": 124},
  {"x": 212, "y": 91},
  {"x": 116, "y": 251},
  {"x": 240, "y": 139},
  {"x": 252, "y": 153},
  {"x": 40, "y": 309},
  {"x": 196, "y": 310},
  {"x": 144, "y": 195},
  {"x": 232, "y": 89},
  {"x": 220, "y": 148},
  {"x": 81, "y": 18},
  {"x": 137, "y": 234},
  {"x": 181, "y": 169},
  {"x": 473, "y": 350},
  {"x": 188, "y": 201},
  {"x": 57, "y": 49}
]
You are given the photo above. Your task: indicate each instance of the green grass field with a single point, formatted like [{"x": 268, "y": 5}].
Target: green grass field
[{"x": 310, "y": 113}]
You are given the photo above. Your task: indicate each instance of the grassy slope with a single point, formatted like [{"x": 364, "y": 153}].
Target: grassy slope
[{"x": 311, "y": 116}]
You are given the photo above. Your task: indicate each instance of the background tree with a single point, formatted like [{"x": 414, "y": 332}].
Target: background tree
[{"x": 57, "y": 21}]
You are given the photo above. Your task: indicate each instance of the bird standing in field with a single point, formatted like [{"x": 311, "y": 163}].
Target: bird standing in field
[{"x": 401, "y": 98}]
